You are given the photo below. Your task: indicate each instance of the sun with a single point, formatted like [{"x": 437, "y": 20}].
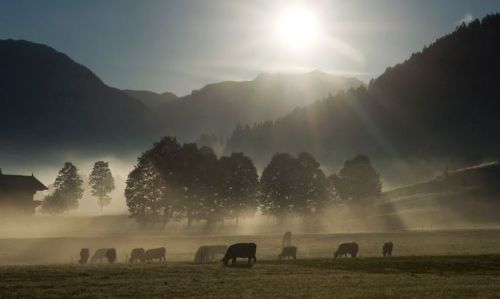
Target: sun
[{"x": 297, "y": 28}]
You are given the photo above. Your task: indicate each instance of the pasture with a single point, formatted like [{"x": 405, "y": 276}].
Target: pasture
[
  {"x": 400, "y": 277},
  {"x": 425, "y": 264}
]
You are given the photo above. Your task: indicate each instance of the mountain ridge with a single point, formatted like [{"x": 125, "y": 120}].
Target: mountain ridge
[
  {"x": 441, "y": 103},
  {"x": 231, "y": 102}
]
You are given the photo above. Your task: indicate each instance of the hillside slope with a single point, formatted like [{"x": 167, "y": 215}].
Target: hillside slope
[
  {"x": 151, "y": 99},
  {"x": 218, "y": 108},
  {"x": 47, "y": 99},
  {"x": 442, "y": 103}
]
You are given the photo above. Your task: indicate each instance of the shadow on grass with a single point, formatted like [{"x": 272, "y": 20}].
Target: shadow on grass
[
  {"x": 239, "y": 265},
  {"x": 477, "y": 264}
]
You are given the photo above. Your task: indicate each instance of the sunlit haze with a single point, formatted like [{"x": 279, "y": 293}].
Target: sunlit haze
[
  {"x": 297, "y": 28},
  {"x": 249, "y": 148}
]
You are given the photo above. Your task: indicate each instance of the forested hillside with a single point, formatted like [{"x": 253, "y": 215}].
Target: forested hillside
[{"x": 443, "y": 102}]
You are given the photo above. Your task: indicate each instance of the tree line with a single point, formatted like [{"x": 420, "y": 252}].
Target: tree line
[
  {"x": 68, "y": 188},
  {"x": 172, "y": 182}
]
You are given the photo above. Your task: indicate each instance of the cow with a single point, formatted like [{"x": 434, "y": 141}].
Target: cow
[
  {"x": 387, "y": 249},
  {"x": 288, "y": 252},
  {"x": 111, "y": 255},
  {"x": 104, "y": 253},
  {"x": 244, "y": 250},
  {"x": 287, "y": 240},
  {"x": 208, "y": 253},
  {"x": 137, "y": 254},
  {"x": 155, "y": 253},
  {"x": 347, "y": 248},
  {"x": 84, "y": 256}
]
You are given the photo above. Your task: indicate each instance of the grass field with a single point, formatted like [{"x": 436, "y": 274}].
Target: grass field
[
  {"x": 397, "y": 277},
  {"x": 436, "y": 264}
]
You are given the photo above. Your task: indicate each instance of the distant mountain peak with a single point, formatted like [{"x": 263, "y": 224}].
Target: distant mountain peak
[{"x": 150, "y": 98}]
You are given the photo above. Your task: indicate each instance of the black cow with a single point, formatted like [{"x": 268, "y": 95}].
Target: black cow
[
  {"x": 288, "y": 252},
  {"x": 84, "y": 256},
  {"x": 137, "y": 254},
  {"x": 387, "y": 249},
  {"x": 155, "y": 253},
  {"x": 244, "y": 250},
  {"x": 347, "y": 248}
]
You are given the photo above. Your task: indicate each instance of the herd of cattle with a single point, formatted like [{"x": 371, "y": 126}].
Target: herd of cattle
[{"x": 211, "y": 253}]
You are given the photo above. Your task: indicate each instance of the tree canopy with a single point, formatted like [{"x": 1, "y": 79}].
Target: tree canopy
[
  {"x": 102, "y": 182},
  {"x": 357, "y": 180},
  {"x": 68, "y": 191}
]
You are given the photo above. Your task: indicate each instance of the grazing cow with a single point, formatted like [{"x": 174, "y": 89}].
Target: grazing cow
[
  {"x": 137, "y": 254},
  {"x": 84, "y": 256},
  {"x": 288, "y": 252},
  {"x": 104, "y": 253},
  {"x": 245, "y": 250},
  {"x": 287, "y": 240},
  {"x": 209, "y": 253},
  {"x": 347, "y": 248},
  {"x": 387, "y": 249},
  {"x": 155, "y": 253},
  {"x": 111, "y": 255}
]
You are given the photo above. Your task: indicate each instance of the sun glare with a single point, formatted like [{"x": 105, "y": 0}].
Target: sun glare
[{"x": 297, "y": 28}]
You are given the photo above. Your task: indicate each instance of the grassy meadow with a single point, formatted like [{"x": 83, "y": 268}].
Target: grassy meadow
[
  {"x": 431, "y": 264},
  {"x": 471, "y": 276}
]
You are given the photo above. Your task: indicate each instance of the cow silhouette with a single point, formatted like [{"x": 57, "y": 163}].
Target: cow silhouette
[
  {"x": 288, "y": 252},
  {"x": 387, "y": 249},
  {"x": 84, "y": 256},
  {"x": 242, "y": 250},
  {"x": 347, "y": 248},
  {"x": 111, "y": 255},
  {"x": 156, "y": 253},
  {"x": 104, "y": 253},
  {"x": 209, "y": 253},
  {"x": 136, "y": 255}
]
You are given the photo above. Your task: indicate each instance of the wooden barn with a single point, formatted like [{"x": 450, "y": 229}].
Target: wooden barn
[{"x": 16, "y": 194}]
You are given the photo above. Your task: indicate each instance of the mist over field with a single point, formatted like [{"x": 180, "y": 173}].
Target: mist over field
[{"x": 346, "y": 149}]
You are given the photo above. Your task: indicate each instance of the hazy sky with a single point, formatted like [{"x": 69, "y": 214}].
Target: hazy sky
[{"x": 182, "y": 45}]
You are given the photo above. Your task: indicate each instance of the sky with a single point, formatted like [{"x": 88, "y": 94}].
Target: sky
[{"x": 179, "y": 46}]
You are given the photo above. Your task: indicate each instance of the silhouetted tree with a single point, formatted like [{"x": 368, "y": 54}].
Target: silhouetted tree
[
  {"x": 211, "y": 205},
  {"x": 238, "y": 185},
  {"x": 293, "y": 186},
  {"x": 68, "y": 191},
  {"x": 277, "y": 186},
  {"x": 165, "y": 156},
  {"x": 358, "y": 180},
  {"x": 102, "y": 182},
  {"x": 147, "y": 196},
  {"x": 312, "y": 188}
]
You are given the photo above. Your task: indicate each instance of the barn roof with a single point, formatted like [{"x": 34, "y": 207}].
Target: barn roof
[{"x": 21, "y": 182}]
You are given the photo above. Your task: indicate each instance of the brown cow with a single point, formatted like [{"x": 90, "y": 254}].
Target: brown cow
[
  {"x": 104, "y": 253},
  {"x": 137, "y": 254},
  {"x": 155, "y": 253},
  {"x": 347, "y": 248}
]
